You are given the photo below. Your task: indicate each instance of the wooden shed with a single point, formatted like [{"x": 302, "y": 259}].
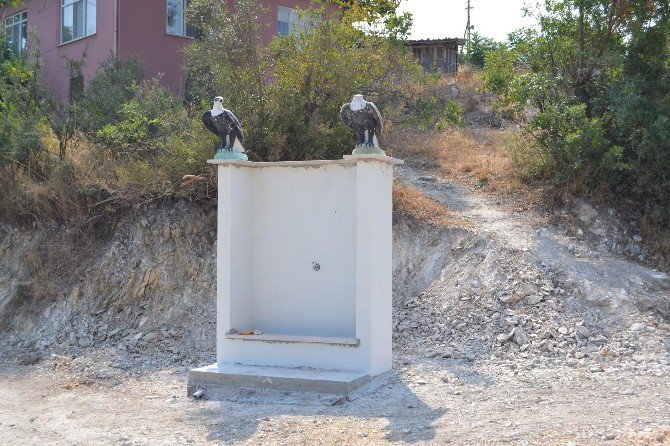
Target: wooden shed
[{"x": 437, "y": 55}]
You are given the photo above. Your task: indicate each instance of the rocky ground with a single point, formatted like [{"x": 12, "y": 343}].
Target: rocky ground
[{"x": 519, "y": 328}]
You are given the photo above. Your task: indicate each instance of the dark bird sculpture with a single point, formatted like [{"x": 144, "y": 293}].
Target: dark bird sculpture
[
  {"x": 362, "y": 118},
  {"x": 224, "y": 124}
]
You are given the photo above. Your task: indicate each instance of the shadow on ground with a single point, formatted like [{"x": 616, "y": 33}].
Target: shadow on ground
[{"x": 241, "y": 411}]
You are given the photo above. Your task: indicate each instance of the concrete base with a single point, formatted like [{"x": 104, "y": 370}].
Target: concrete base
[
  {"x": 294, "y": 379},
  {"x": 366, "y": 150},
  {"x": 224, "y": 155}
]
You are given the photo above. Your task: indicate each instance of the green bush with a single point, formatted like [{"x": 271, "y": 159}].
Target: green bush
[
  {"x": 113, "y": 85},
  {"x": 453, "y": 113},
  {"x": 156, "y": 141},
  {"x": 145, "y": 122},
  {"x": 426, "y": 112},
  {"x": 20, "y": 114},
  {"x": 478, "y": 49},
  {"x": 498, "y": 71},
  {"x": 591, "y": 89}
]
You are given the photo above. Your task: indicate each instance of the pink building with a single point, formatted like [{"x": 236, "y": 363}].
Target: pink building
[{"x": 152, "y": 30}]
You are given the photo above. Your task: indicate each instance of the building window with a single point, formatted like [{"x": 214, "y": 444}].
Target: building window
[
  {"x": 176, "y": 19},
  {"x": 78, "y": 19},
  {"x": 288, "y": 21},
  {"x": 16, "y": 32}
]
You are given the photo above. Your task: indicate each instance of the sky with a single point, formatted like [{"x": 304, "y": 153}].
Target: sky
[{"x": 447, "y": 18}]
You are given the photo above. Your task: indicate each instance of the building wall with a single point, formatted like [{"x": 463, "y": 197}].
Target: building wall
[
  {"x": 269, "y": 15},
  {"x": 141, "y": 32},
  {"x": 437, "y": 57},
  {"x": 289, "y": 297},
  {"x": 44, "y": 16}
]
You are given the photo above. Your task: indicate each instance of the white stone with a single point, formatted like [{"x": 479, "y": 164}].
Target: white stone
[
  {"x": 583, "y": 331},
  {"x": 639, "y": 326}
]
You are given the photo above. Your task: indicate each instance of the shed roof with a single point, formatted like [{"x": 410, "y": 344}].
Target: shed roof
[{"x": 444, "y": 41}]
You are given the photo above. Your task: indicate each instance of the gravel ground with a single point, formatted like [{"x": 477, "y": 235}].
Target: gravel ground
[{"x": 426, "y": 402}]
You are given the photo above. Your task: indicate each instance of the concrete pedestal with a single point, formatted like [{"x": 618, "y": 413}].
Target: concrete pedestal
[{"x": 303, "y": 257}]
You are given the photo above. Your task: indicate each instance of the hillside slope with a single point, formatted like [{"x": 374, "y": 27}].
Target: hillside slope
[{"x": 507, "y": 328}]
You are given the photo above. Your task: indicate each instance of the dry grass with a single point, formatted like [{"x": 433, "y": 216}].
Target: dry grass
[
  {"x": 410, "y": 202},
  {"x": 478, "y": 156},
  {"x": 468, "y": 79},
  {"x": 90, "y": 184}
]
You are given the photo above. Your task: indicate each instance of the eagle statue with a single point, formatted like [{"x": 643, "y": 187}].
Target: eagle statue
[
  {"x": 363, "y": 119},
  {"x": 224, "y": 124}
]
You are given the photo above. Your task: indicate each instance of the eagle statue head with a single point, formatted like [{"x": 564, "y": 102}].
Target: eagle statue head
[
  {"x": 217, "y": 107},
  {"x": 358, "y": 102}
]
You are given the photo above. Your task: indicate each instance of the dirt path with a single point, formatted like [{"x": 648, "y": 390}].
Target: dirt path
[
  {"x": 491, "y": 394},
  {"x": 622, "y": 283}
]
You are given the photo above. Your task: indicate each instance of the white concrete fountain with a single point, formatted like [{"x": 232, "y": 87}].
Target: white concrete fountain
[{"x": 303, "y": 263}]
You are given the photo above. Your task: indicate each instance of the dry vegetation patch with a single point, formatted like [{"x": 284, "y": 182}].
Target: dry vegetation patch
[
  {"x": 475, "y": 156},
  {"x": 410, "y": 202}
]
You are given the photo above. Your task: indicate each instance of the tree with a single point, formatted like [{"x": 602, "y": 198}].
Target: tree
[
  {"x": 597, "y": 79},
  {"x": 288, "y": 95},
  {"x": 318, "y": 71},
  {"x": 230, "y": 60},
  {"x": 379, "y": 16},
  {"x": 64, "y": 117},
  {"x": 114, "y": 84},
  {"x": 478, "y": 49},
  {"x": 20, "y": 112}
]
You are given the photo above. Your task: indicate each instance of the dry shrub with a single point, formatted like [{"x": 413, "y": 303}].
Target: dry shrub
[
  {"x": 410, "y": 202},
  {"x": 468, "y": 79},
  {"x": 93, "y": 182}
]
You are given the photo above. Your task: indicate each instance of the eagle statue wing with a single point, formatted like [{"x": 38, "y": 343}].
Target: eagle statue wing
[
  {"x": 236, "y": 123},
  {"x": 346, "y": 116},
  {"x": 209, "y": 123},
  {"x": 374, "y": 112}
]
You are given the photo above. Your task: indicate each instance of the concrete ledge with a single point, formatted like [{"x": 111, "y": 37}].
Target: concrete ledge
[
  {"x": 374, "y": 157},
  {"x": 348, "y": 160},
  {"x": 294, "y": 379},
  {"x": 292, "y": 339}
]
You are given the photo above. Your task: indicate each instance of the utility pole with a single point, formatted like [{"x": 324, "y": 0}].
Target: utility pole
[{"x": 468, "y": 27}]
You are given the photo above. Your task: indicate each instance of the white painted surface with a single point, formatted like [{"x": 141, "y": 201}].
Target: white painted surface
[
  {"x": 295, "y": 339},
  {"x": 275, "y": 221},
  {"x": 301, "y": 217}
]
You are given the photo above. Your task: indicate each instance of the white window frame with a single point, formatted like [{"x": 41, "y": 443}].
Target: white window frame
[
  {"x": 294, "y": 22},
  {"x": 90, "y": 20},
  {"x": 23, "y": 30},
  {"x": 184, "y": 24}
]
